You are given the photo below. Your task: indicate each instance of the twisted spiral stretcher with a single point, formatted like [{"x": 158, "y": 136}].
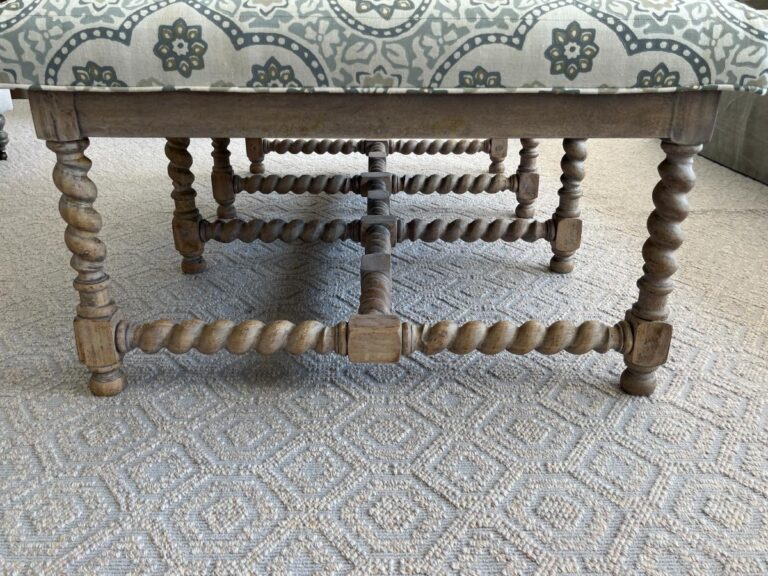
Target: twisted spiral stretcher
[
  {"x": 340, "y": 146},
  {"x": 410, "y": 184},
  {"x": 500, "y": 229},
  {"x": 430, "y": 339},
  {"x": 376, "y": 278}
]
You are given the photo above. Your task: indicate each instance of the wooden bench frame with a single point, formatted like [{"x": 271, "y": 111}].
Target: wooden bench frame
[{"x": 683, "y": 120}]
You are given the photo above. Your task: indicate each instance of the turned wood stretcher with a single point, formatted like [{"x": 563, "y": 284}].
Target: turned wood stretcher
[{"x": 377, "y": 124}]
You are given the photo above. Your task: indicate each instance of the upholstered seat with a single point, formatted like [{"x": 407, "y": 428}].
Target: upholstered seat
[{"x": 384, "y": 45}]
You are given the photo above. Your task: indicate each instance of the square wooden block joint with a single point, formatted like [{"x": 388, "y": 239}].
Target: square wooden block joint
[
  {"x": 386, "y": 178},
  {"x": 567, "y": 235},
  {"x": 186, "y": 235},
  {"x": 651, "y": 343},
  {"x": 391, "y": 222},
  {"x": 498, "y": 147},
  {"x": 527, "y": 186},
  {"x": 374, "y": 339},
  {"x": 95, "y": 340}
]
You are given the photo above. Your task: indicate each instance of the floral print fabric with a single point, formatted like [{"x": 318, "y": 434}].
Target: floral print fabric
[{"x": 384, "y": 45}]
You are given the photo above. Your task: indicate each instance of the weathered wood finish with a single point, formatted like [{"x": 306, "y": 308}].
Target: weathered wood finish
[
  {"x": 528, "y": 178},
  {"x": 430, "y": 339},
  {"x": 375, "y": 334},
  {"x": 376, "y": 237},
  {"x": 374, "y": 338},
  {"x": 345, "y": 146},
  {"x": 222, "y": 179},
  {"x": 498, "y": 148},
  {"x": 683, "y": 117},
  {"x": 257, "y": 148},
  {"x": 405, "y": 184},
  {"x": 254, "y": 148},
  {"x": 186, "y": 216},
  {"x": 570, "y": 194},
  {"x": 562, "y": 336},
  {"x": 526, "y": 186},
  {"x": 249, "y": 336},
  {"x": 459, "y": 229},
  {"x": 97, "y": 314},
  {"x": 649, "y": 313}
]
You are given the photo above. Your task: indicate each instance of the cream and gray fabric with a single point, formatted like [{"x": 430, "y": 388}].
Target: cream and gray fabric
[
  {"x": 384, "y": 45},
  {"x": 438, "y": 466}
]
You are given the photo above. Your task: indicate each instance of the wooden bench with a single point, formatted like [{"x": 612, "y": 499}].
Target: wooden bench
[{"x": 374, "y": 76}]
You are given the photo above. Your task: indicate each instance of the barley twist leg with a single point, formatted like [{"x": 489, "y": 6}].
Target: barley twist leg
[
  {"x": 97, "y": 314},
  {"x": 670, "y": 198},
  {"x": 570, "y": 193},
  {"x": 186, "y": 216},
  {"x": 222, "y": 179}
]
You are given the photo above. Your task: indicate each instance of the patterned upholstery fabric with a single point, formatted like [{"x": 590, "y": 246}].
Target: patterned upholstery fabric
[{"x": 384, "y": 45}]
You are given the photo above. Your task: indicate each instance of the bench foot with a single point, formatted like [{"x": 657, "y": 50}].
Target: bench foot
[
  {"x": 193, "y": 265},
  {"x": 638, "y": 382},
  {"x": 560, "y": 265},
  {"x": 107, "y": 384}
]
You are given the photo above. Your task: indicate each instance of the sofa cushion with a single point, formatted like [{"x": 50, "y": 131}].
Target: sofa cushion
[{"x": 384, "y": 45}]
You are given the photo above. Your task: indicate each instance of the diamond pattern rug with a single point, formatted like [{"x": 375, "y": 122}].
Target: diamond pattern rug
[{"x": 442, "y": 465}]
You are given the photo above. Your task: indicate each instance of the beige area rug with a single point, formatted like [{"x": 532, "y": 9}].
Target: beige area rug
[{"x": 443, "y": 465}]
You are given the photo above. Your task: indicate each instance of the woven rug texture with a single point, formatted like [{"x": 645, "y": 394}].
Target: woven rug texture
[{"x": 438, "y": 465}]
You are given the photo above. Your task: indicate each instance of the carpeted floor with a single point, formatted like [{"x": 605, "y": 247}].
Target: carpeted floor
[{"x": 443, "y": 465}]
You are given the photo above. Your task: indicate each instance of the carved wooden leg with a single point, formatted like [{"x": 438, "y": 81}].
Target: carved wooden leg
[
  {"x": 186, "y": 217},
  {"x": 498, "y": 153},
  {"x": 652, "y": 335},
  {"x": 528, "y": 178},
  {"x": 222, "y": 179},
  {"x": 97, "y": 314},
  {"x": 254, "y": 147},
  {"x": 566, "y": 216},
  {"x": 3, "y": 139}
]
